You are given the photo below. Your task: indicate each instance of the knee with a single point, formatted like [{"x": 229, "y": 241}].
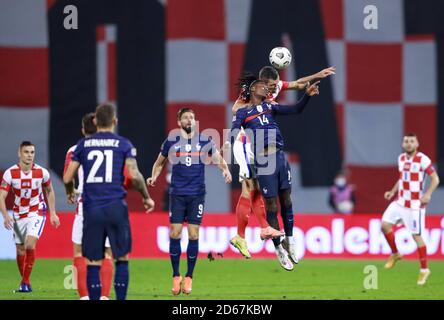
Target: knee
[
  {"x": 21, "y": 250},
  {"x": 386, "y": 228},
  {"x": 174, "y": 234},
  {"x": 29, "y": 245},
  {"x": 193, "y": 236}
]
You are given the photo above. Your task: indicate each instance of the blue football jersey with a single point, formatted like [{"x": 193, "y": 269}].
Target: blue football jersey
[
  {"x": 102, "y": 157},
  {"x": 188, "y": 157},
  {"x": 260, "y": 120}
]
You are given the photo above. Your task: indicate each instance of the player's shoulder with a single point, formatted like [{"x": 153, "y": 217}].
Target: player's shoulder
[
  {"x": 39, "y": 168},
  {"x": 420, "y": 156},
  {"x": 71, "y": 149},
  {"x": 402, "y": 157},
  {"x": 12, "y": 168}
]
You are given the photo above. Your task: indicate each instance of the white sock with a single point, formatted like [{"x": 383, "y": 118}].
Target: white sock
[{"x": 291, "y": 240}]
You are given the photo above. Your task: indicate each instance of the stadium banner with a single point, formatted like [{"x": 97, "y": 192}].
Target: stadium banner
[{"x": 317, "y": 236}]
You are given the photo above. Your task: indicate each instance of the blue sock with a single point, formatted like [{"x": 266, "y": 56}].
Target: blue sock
[
  {"x": 121, "y": 279},
  {"x": 192, "y": 252},
  {"x": 175, "y": 251},
  {"x": 287, "y": 219},
  {"x": 274, "y": 222},
  {"x": 93, "y": 282}
]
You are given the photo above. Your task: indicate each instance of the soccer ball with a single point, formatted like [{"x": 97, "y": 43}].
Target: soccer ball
[{"x": 280, "y": 57}]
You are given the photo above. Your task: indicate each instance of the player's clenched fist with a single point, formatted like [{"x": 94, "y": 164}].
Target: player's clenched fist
[
  {"x": 388, "y": 195},
  {"x": 55, "y": 221},
  {"x": 148, "y": 204},
  {"x": 151, "y": 181}
]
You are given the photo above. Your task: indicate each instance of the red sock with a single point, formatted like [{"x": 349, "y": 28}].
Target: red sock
[
  {"x": 106, "y": 276},
  {"x": 258, "y": 206},
  {"x": 422, "y": 251},
  {"x": 80, "y": 265},
  {"x": 391, "y": 241},
  {"x": 242, "y": 211},
  {"x": 28, "y": 264},
  {"x": 20, "y": 264}
]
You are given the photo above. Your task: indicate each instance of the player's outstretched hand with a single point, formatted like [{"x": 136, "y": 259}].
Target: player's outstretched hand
[
  {"x": 55, "y": 221},
  {"x": 227, "y": 176},
  {"x": 313, "y": 89},
  {"x": 148, "y": 204},
  {"x": 388, "y": 195},
  {"x": 326, "y": 72},
  {"x": 151, "y": 181},
  {"x": 8, "y": 223}
]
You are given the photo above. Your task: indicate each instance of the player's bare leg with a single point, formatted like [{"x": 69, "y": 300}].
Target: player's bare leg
[
  {"x": 424, "y": 272},
  {"x": 387, "y": 229},
  {"x": 81, "y": 270},
  {"x": 175, "y": 252},
  {"x": 192, "y": 253},
  {"x": 106, "y": 274},
  {"x": 288, "y": 243},
  {"x": 282, "y": 255}
]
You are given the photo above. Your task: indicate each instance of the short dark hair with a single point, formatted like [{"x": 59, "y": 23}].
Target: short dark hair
[
  {"x": 268, "y": 72},
  {"x": 105, "y": 114},
  {"x": 411, "y": 134},
  {"x": 88, "y": 124},
  {"x": 26, "y": 144},
  {"x": 182, "y": 111}
]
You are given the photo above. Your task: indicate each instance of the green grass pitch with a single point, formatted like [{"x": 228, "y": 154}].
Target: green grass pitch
[{"x": 242, "y": 280}]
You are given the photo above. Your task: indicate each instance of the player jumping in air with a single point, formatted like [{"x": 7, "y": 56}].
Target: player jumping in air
[
  {"x": 106, "y": 269},
  {"x": 409, "y": 207},
  {"x": 243, "y": 154},
  {"x": 188, "y": 151},
  {"x": 268, "y": 145},
  {"x": 103, "y": 157},
  {"x": 27, "y": 180}
]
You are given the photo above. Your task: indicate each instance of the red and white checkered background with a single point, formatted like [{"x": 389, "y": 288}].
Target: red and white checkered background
[{"x": 382, "y": 86}]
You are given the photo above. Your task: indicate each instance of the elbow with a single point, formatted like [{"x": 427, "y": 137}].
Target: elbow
[{"x": 66, "y": 180}]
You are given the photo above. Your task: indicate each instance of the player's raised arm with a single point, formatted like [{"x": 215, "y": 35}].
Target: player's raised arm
[
  {"x": 157, "y": 169},
  {"x": 139, "y": 183},
  {"x": 301, "y": 83},
  {"x": 68, "y": 180},
  {"x": 300, "y": 105}
]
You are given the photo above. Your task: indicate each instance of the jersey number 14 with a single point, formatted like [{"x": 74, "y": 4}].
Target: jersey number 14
[{"x": 99, "y": 157}]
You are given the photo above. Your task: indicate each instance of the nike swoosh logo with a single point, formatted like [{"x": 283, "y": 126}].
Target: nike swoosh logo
[{"x": 250, "y": 111}]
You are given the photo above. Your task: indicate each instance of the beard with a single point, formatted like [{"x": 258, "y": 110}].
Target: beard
[{"x": 187, "y": 129}]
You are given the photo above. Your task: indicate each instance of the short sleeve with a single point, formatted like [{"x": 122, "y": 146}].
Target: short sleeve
[
  {"x": 130, "y": 150},
  {"x": 68, "y": 159},
  {"x": 165, "y": 148},
  {"x": 6, "y": 181},
  {"x": 426, "y": 165},
  {"x": 78, "y": 151},
  {"x": 46, "y": 178}
]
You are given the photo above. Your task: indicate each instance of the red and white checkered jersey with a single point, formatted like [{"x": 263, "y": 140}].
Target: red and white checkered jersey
[
  {"x": 281, "y": 85},
  {"x": 27, "y": 188},
  {"x": 79, "y": 189},
  {"x": 411, "y": 179}
]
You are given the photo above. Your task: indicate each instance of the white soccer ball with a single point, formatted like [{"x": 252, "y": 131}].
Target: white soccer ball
[{"x": 280, "y": 57}]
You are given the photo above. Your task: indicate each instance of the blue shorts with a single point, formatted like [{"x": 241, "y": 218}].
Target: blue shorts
[
  {"x": 186, "y": 209},
  {"x": 280, "y": 179},
  {"x": 111, "y": 221}
]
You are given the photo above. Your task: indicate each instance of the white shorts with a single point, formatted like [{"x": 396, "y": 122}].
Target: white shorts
[
  {"x": 77, "y": 231},
  {"x": 29, "y": 226},
  {"x": 413, "y": 219},
  {"x": 244, "y": 157}
]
